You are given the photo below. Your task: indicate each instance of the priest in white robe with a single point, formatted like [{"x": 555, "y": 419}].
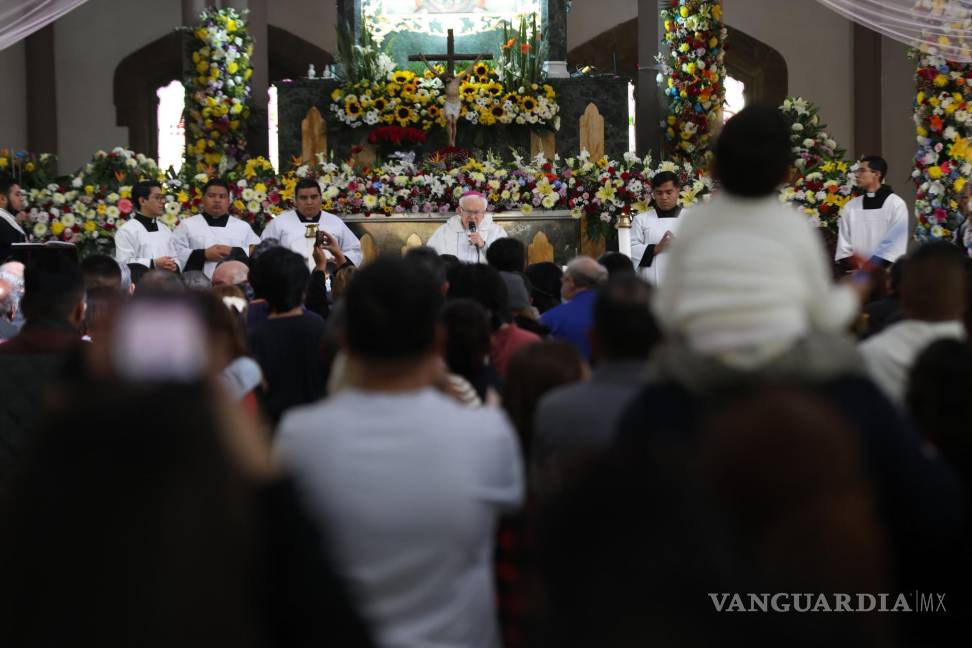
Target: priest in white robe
[
  {"x": 294, "y": 228},
  {"x": 11, "y": 202},
  {"x": 653, "y": 231},
  {"x": 467, "y": 234},
  {"x": 872, "y": 227},
  {"x": 142, "y": 239},
  {"x": 204, "y": 240}
]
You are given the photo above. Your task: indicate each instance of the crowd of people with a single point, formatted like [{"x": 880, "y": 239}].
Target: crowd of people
[{"x": 216, "y": 438}]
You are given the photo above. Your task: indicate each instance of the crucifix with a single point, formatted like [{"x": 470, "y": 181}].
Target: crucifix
[{"x": 450, "y": 81}]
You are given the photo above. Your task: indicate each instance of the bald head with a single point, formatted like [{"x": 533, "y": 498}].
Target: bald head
[
  {"x": 230, "y": 273},
  {"x": 7, "y": 298},
  {"x": 14, "y": 268},
  {"x": 472, "y": 209},
  {"x": 583, "y": 273}
]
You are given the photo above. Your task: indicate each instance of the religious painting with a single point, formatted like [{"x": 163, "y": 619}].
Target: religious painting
[{"x": 403, "y": 27}]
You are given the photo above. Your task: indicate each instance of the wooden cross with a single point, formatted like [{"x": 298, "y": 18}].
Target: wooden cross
[{"x": 450, "y": 57}]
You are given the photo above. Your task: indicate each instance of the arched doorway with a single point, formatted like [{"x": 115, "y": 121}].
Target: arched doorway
[{"x": 140, "y": 75}]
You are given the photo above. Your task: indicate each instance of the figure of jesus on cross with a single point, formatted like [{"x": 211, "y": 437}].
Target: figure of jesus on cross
[{"x": 450, "y": 81}]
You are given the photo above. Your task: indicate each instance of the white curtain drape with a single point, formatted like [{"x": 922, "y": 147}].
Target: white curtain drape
[
  {"x": 21, "y": 18},
  {"x": 945, "y": 25}
]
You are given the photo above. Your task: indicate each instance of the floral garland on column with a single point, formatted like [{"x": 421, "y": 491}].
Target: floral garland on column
[
  {"x": 218, "y": 92},
  {"x": 822, "y": 182},
  {"x": 943, "y": 162},
  {"x": 694, "y": 72}
]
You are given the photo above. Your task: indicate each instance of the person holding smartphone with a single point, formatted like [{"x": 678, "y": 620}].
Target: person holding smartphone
[
  {"x": 653, "y": 231},
  {"x": 291, "y": 228}
]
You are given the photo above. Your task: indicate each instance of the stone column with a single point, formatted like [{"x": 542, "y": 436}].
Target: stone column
[
  {"x": 41, "y": 91},
  {"x": 867, "y": 91},
  {"x": 650, "y": 101},
  {"x": 553, "y": 17}
]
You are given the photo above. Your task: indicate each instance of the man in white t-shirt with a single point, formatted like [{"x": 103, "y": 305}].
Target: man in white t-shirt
[
  {"x": 406, "y": 483},
  {"x": 933, "y": 299}
]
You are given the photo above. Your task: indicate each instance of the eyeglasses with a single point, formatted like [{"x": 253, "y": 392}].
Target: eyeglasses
[{"x": 473, "y": 212}]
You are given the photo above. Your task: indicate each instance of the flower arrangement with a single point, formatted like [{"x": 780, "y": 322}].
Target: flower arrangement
[
  {"x": 943, "y": 123},
  {"x": 405, "y": 98},
  {"x": 218, "y": 91},
  {"x": 31, "y": 171},
  {"x": 598, "y": 190},
  {"x": 522, "y": 54},
  {"x": 694, "y": 74},
  {"x": 822, "y": 183},
  {"x": 257, "y": 193},
  {"x": 86, "y": 208},
  {"x": 397, "y": 136}
]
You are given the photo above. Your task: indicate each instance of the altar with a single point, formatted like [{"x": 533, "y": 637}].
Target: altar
[
  {"x": 549, "y": 235},
  {"x": 505, "y": 61},
  {"x": 301, "y": 135}
]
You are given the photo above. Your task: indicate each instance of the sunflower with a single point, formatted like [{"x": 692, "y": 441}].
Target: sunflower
[
  {"x": 402, "y": 77},
  {"x": 352, "y": 108},
  {"x": 494, "y": 89},
  {"x": 404, "y": 115},
  {"x": 529, "y": 104},
  {"x": 380, "y": 104},
  {"x": 468, "y": 90},
  {"x": 481, "y": 70},
  {"x": 497, "y": 111},
  {"x": 433, "y": 111}
]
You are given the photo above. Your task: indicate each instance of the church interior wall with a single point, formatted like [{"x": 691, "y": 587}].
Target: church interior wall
[
  {"x": 897, "y": 111},
  {"x": 13, "y": 107},
  {"x": 89, "y": 43},
  {"x": 817, "y": 45},
  {"x": 92, "y": 39},
  {"x": 589, "y": 18},
  {"x": 313, "y": 21}
]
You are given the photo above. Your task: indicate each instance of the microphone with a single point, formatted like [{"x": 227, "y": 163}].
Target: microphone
[{"x": 472, "y": 230}]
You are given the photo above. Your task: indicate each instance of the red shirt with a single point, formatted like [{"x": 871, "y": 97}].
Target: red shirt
[{"x": 507, "y": 341}]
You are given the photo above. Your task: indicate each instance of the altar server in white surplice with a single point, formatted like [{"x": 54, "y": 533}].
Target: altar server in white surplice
[
  {"x": 467, "y": 234},
  {"x": 204, "y": 240},
  {"x": 653, "y": 231},
  {"x": 291, "y": 227},
  {"x": 143, "y": 239},
  {"x": 873, "y": 226}
]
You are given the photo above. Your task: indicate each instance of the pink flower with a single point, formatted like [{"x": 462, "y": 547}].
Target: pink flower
[{"x": 125, "y": 206}]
